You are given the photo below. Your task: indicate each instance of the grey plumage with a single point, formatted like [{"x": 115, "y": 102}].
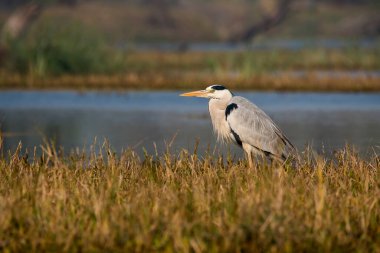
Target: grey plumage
[
  {"x": 238, "y": 120},
  {"x": 254, "y": 127}
]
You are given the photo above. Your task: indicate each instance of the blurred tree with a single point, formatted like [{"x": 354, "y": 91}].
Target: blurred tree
[
  {"x": 160, "y": 15},
  {"x": 24, "y": 14},
  {"x": 20, "y": 19},
  {"x": 274, "y": 12}
]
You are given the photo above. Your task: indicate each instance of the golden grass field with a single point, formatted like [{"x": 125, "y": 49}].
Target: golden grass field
[{"x": 104, "y": 202}]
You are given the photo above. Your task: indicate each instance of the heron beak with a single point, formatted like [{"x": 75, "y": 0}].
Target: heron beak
[{"x": 198, "y": 93}]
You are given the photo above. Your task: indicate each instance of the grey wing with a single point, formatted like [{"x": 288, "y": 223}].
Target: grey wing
[{"x": 253, "y": 126}]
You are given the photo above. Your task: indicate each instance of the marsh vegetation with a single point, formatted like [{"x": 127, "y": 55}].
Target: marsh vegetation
[
  {"x": 99, "y": 45},
  {"x": 101, "y": 201},
  {"x": 304, "y": 70},
  {"x": 68, "y": 196}
]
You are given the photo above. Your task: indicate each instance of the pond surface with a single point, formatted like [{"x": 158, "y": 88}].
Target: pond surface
[
  {"x": 137, "y": 120},
  {"x": 282, "y": 44}
]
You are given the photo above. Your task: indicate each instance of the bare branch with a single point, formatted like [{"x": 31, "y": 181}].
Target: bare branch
[{"x": 268, "y": 22}]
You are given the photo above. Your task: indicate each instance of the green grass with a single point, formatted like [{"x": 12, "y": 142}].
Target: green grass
[
  {"x": 251, "y": 62},
  {"x": 262, "y": 70},
  {"x": 61, "y": 47},
  {"x": 187, "y": 203}
]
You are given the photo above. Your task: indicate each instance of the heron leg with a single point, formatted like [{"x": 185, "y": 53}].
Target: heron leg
[
  {"x": 248, "y": 151},
  {"x": 250, "y": 160}
]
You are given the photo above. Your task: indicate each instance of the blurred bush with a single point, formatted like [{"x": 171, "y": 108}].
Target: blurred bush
[{"x": 60, "y": 47}]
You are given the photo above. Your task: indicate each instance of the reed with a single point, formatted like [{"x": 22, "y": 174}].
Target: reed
[
  {"x": 262, "y": 70},
  {"x": 103, "y": 201}
]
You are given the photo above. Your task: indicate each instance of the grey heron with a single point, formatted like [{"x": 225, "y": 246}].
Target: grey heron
[{"x": 236, "y": 119}]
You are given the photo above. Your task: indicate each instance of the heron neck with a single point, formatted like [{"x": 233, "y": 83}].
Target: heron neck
[{"x": 217, "y": 108}]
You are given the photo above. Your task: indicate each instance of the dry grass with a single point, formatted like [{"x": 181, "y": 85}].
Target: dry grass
[
  {"x": 285, "y": 81},
  {"x": 185, "y": 203}
]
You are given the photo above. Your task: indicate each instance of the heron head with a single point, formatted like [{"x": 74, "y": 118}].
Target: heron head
[{"x": 213, "y": 91}]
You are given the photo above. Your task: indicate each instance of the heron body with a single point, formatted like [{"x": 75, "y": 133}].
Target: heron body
[{"x": 236, "y": 119}]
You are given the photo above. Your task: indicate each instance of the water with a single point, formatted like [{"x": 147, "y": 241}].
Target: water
[
  {"x": 283, "y": 44},
  {"x": 139, "y": 119}
]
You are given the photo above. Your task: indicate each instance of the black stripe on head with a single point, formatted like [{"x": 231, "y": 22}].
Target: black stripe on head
[
  {"x": 218, "y": 87},
  {"x": 230, "y": 108}
]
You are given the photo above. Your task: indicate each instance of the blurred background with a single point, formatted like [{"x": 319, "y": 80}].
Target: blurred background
[{"x": 72, "y": 71}]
